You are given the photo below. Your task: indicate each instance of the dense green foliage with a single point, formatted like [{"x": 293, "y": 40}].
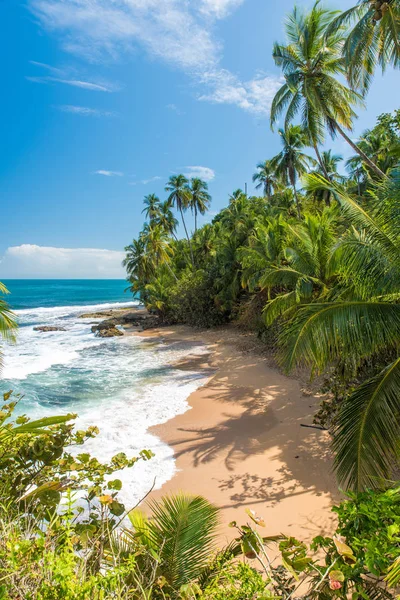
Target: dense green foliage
[
  {"x": 320, "y": 265},
  {"x": 63, "y": 535},
  {"x": 312, "y": 264}
]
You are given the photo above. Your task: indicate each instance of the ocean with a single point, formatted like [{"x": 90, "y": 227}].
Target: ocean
[{"x": 123, "y": 385}]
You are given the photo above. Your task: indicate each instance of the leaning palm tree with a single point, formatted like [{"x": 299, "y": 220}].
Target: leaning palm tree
[
  {"x": 8, "y": 322},
  {"x": 362, "y": 323},
  {"x": 373, "y": 41},
  {"x": 265, "y": 178},
  {"x": 179, "y": 196},
  {"x": 175, "y": 545},
  {"x": 151, "y": 206},
  {"x": 200, "y": 199},
  {"x": 310, "y": 62},
  {"x": 292, "y": 162}
]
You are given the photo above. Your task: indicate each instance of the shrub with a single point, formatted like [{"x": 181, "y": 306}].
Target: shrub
[{"x": 192, "y": 301}]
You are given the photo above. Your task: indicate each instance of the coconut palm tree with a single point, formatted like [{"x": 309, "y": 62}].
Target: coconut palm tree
[
  {"x": 309, "y": 63},
  {"x": 200, "y": 199},
  {"x": 361, "y": 323},
  {"x": 373, "y": 41},
  {"x": 8, "y": 322},
  {"x": 265, "y": 178},
  {"x": 291, "y": 162},
  {"x": 165, "y": 218},
  {"x": 304, "y": 273},
  {"x": 328, "y": 170},
  {"x": 180, "y": 535},
  {"x": 159, "y": 249},
  {"x": 151, "y": 206},
  {"x": 179, "y": 196}
]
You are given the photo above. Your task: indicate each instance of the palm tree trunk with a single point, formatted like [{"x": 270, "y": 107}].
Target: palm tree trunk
[
  {"x": 321, "y": 163},
  {"x": 195, "y": 218},
  {"x": 365, "y": 158},
  {"x": 188, "y": 238},
  {"x": 297, "y": 201},
  {"x": 171, "y": 271}
]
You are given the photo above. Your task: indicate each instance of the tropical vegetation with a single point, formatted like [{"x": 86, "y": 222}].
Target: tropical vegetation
[{"x": 312, "y": 266}]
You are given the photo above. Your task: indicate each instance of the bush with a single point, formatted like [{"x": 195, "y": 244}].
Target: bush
[{"x": 192, "y": 301}]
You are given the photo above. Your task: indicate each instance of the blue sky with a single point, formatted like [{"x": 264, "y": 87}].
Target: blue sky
[{"x": 104, "y": 99}]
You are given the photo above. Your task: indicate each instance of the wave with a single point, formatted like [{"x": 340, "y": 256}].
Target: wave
[
  {"x": 72, "y": 309},
  {"x": 35, "y": 352}
]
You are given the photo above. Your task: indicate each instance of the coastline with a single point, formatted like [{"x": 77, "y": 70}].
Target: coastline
[{"x": 241, "y": 443}]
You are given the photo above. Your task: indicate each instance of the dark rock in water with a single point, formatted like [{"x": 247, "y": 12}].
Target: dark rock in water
[
  {"x": 48, "y": 328},
  {"x": 108, "y": 327},
  {"x": 106, "y": 333}
]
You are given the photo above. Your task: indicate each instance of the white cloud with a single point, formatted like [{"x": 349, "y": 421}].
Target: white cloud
[
  {"x": 109, "y": 173},
  {"x": 146, "y": 181},
  {"x": 219, "y": 8},
  {"x": 85, "y": 111},
  {"x": 178, "y": 32},
  {"x": 254, "y": 96},
  {"x": 203, "y": 172},
  {"x": 69, "y": 76},
  {"x": 86, "y": 85},
  {"x": 30, "y": 260}
]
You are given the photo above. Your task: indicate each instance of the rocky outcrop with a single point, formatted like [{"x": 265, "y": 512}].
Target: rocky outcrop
[
  {"x": 108, "y": 327},
  {"x": 107, "y": 332},
  {"x": 48, "y": 328}
]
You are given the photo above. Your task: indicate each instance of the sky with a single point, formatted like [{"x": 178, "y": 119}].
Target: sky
[{"x": 103, "y": 100}]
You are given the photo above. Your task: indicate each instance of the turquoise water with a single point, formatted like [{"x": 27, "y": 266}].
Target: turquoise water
[
  {"x": 33, "y": 293},
  {"x": 123, "y": 385}
]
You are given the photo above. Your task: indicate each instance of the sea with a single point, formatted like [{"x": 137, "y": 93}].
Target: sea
[{"x": 122, "y": 385}]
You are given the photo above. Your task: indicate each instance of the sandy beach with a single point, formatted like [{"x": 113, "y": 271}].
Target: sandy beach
[{"x": 243, "y": 444}]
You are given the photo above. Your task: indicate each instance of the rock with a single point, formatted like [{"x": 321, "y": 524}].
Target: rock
[
  {"x": 96, "y": 315},
  {"x": 48, "y": 328},
  {"x": 110, "y": 332}
]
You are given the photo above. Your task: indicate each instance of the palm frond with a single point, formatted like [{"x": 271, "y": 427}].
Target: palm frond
[{"x": 366, "y": 440}]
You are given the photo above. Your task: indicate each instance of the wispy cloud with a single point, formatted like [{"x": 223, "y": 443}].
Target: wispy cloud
[
  {"x": 109, "y": 173},
  {"x": 175, "y": 109},
  {"x": 202, "y": 172},
  {"x": 84, "y": 111},
  {"x": 87, "y": 85},
  {"x": 146, "y": 181},
  {"x": 67, "y": 76},
  {"x": 30, "y": 260},
  {"x": 175, "y": 31}
]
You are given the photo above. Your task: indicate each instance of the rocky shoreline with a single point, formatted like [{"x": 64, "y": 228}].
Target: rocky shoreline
[{"x": 120, "y": 320}]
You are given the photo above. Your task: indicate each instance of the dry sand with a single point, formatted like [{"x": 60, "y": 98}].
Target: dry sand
[{"x": 242, "y": 445}]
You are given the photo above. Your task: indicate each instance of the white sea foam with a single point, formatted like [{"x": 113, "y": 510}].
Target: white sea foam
[{"x": 122, "y": 385}]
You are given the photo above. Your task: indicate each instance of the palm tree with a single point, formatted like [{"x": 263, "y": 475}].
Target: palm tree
[
  {"x": 159, "y": 249},
  {"x": 265, "y": 178},
  {"x": 362, "y": 323},
  {"x": 304, "y": 273},
  {"x": 200, "y": 199},
  {"x": 152, "y": 204},
  {"x": 309, "y": 63},
  {"x": 291, "y": 161},
  {"x": 8, "y": 322},
  {"x": 180, "y": 536},
  {"x": 165, "y": 218},
  {"x": 180, "y": 197},
  {"x": 374, "y": 40},
  {"x": 329, "y": 171}
]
